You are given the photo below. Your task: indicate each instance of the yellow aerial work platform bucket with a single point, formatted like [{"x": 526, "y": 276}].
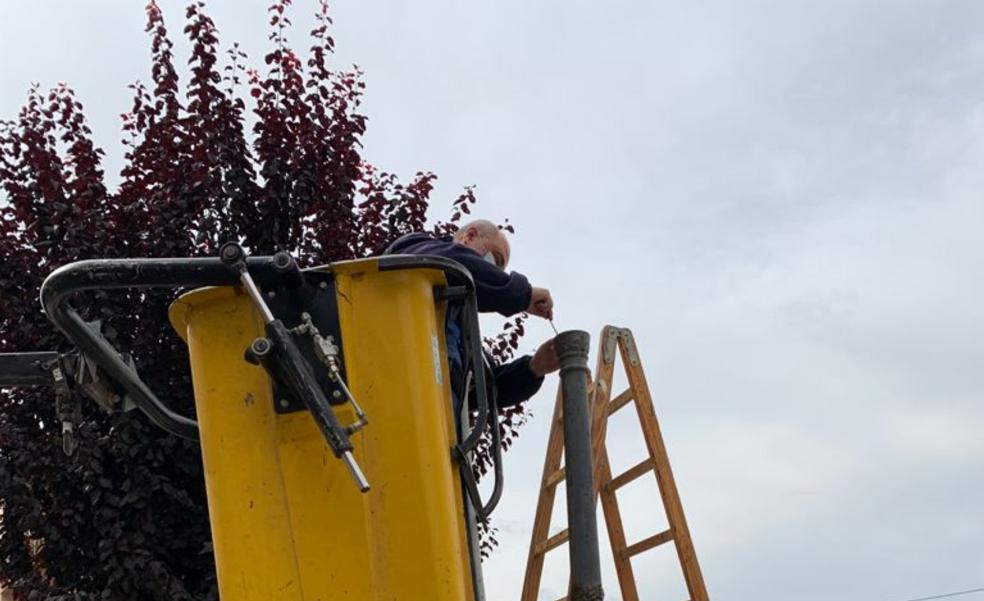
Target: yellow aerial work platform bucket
[{"x": 287, "y": 521}]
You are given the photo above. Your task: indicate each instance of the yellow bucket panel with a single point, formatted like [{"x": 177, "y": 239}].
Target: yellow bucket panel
[{"x": 287, "y": 520}]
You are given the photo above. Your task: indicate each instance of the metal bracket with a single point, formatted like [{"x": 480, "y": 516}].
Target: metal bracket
[
  {"x": 90, "y": 379},
  {"x": 630, "y": 346},
  {"x": 316, "y": 297},
  {"x": 610, "y": 345}
]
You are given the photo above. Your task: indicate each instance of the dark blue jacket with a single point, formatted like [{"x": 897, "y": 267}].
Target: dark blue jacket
[{"x": 498, "y": 291}]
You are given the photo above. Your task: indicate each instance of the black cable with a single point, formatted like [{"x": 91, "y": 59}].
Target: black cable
[{"x": 967, "y": 592}]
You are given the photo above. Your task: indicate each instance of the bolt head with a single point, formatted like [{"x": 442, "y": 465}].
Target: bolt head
[
  {"x": 282, "y": 260},
  {"x": 230, "y": 251},
  {"x": 261, "y": 346}
]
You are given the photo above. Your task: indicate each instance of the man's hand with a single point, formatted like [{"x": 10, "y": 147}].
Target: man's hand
[
  {"x": 545, "y": 360},
  {"x": 541, "y": 304}
]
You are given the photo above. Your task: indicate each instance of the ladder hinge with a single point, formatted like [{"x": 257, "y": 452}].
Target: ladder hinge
[{"x": 610, "y": 345}]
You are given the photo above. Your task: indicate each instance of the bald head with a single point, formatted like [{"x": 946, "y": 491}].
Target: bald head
[{"x": 485, "y": 238}]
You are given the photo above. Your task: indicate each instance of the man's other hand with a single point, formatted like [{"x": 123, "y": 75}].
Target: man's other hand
[
  {"x": 545, "y": 360},
  {"x": 541, "y": 304}
]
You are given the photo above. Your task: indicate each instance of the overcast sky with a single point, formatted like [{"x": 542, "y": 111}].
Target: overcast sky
[{"x": 781, "y": 198}]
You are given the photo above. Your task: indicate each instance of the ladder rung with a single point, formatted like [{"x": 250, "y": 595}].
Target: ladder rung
[
  {"x": 554, "y": 478},
  {"x": 648, "y": 543},
  {"x": 553, "y": 542},
  {"x": 646, "y": 465},
  {"x": 620, "y": 401}
]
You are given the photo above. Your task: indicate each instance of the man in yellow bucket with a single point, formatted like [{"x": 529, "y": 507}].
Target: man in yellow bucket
[{"x": 482, "y": 248}]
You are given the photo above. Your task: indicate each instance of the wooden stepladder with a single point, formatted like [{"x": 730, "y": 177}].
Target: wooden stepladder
[{"x": 614, "y": 342}]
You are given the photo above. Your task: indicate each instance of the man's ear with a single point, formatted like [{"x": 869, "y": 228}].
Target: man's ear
[{"x": 471, "y": 234}]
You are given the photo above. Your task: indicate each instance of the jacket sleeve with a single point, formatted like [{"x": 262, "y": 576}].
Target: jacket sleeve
[
  {"x": 498, "y": 291},
  {"x": 515, "y": 382}
]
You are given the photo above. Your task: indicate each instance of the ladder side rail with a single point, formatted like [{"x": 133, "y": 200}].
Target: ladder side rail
[
  {"x": 544, "y": 506},
  {"x": 602, "y": 471},
  {"x": 664, "y": 474}
]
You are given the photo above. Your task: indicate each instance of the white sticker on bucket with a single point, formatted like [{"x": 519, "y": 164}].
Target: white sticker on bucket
[{"x": 438, "y": 370}]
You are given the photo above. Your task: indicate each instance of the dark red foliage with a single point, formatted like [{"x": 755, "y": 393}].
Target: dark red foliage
[{"x": 125, "y": 517}]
